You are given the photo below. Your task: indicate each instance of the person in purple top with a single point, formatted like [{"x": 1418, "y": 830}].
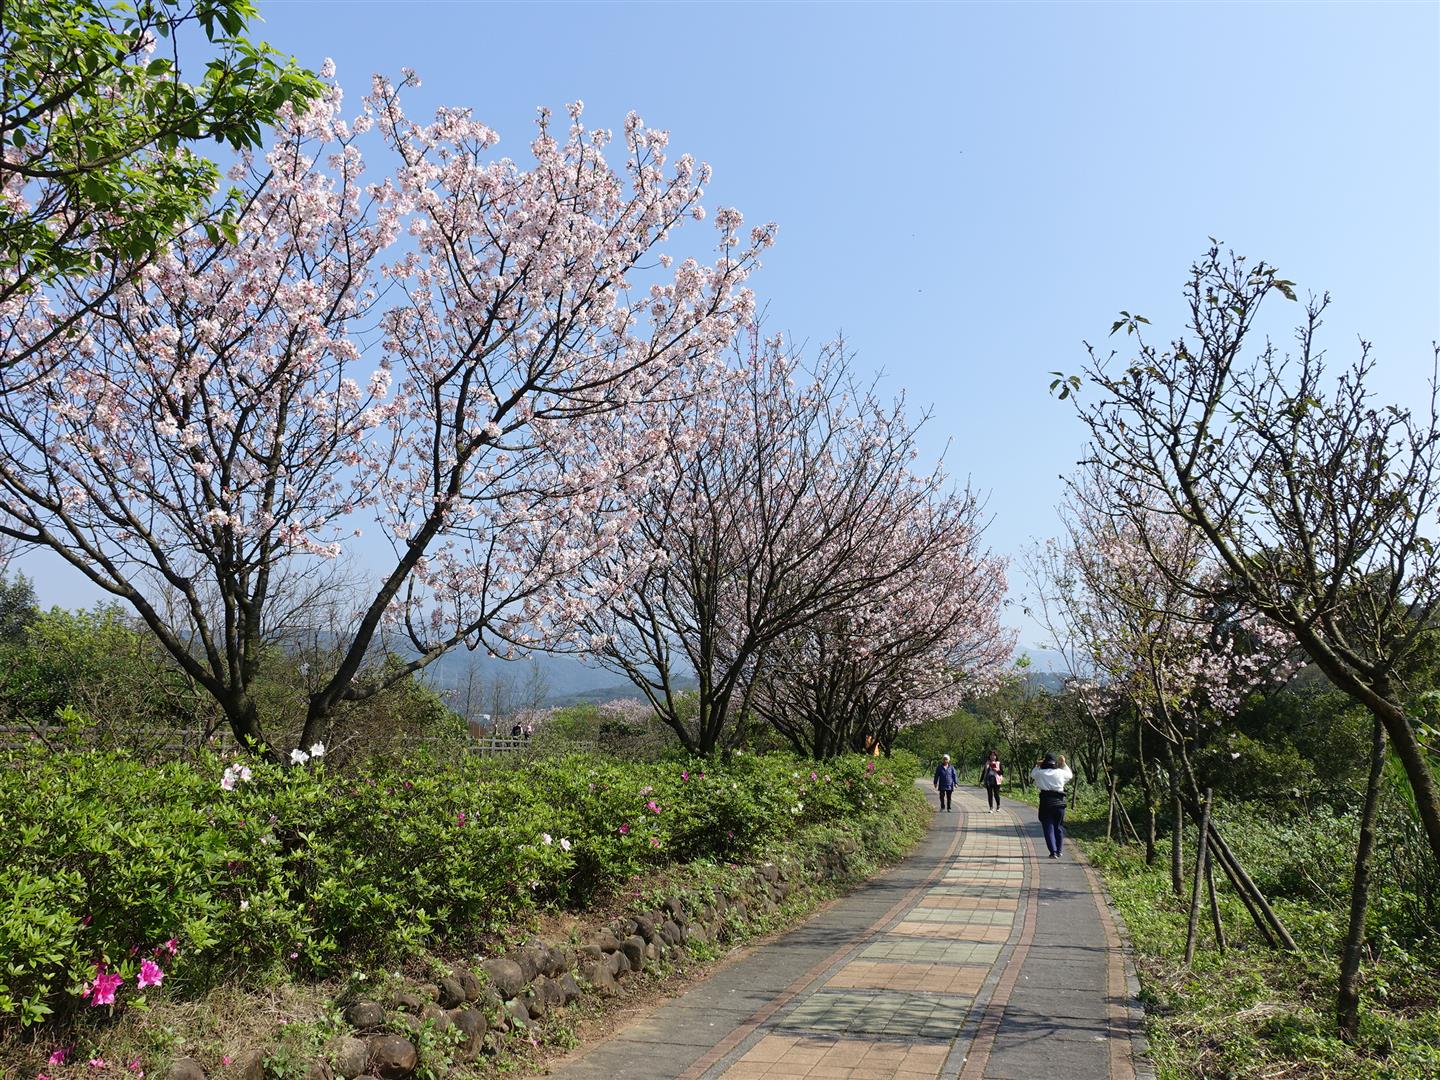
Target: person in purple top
[{"x": 945, "y": 781}]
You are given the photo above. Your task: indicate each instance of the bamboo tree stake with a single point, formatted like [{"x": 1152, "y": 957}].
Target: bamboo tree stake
[
  {"x": 1201, "y": 859},
  {"x": 1214, "y": 902}
]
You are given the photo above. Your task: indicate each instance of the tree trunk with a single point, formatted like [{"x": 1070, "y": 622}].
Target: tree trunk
[
  {"x": 1177, "y": 837},
  {"x": 1380, "y": 699},
  {"x": 1347, "y": 1006},
  {"x": 1148, "y": 788},
  {"x": 244, "y": 720},
  {"x": 1201, "y": 861}
]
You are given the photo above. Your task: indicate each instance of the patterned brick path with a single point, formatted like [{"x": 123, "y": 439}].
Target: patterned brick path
[{"x": 974, "y": 959}]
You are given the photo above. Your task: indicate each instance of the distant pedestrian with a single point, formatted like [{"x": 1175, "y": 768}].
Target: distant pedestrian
[
  {"x": 516, "y": 730},
  {"x": 992, "y": 775},
  {"x": 1050, "y": 777},
  {"x": 945, "y": 781}
]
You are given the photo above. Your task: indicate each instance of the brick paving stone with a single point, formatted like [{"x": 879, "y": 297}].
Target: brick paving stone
[
  {"x": 900, "y": 976},
  {"x": 930, "y": 952}
]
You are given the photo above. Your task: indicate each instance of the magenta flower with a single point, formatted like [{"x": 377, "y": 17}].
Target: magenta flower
[
  {"x": 134, "y": 1066},
  {"x": 172, "y": 946},
  {"x": 685, "y": 775},
  {"x": 58, "y": 1057},
  {"x": 654, "y": 841},
  {"x": 102, "y": 990},
  {"x": 99, "y": 1063},
  {"x": 653, "y": 806},
  {"x": 624, "y": 829},
  {"x": 813, "y": 777},
  {"x": 150, "y": 975},
  {"x": 460, "y": 819}
]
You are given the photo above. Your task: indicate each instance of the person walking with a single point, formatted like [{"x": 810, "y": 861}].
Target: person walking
[
  {"x": 992, "y": 775},
  {"x": 945, "y": 781},
  {"x": 1050, "y": 777}
]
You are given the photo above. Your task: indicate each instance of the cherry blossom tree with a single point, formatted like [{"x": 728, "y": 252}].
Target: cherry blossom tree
[
  {"x": 903, "y": 654},
  {"x": 776, "y": 489},
  {"x": 459, "y": 356},
  {"x": 1162, "y": 633},
  {"x": 1319, "y": 504}
]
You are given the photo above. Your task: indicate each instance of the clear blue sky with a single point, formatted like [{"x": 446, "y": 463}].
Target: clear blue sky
[{"x": 969, "y": 190}]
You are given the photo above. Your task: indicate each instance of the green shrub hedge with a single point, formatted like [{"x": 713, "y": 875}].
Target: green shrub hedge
[{"x": 107, "y": 864}]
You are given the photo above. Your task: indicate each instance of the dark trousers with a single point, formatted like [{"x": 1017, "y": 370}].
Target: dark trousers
[
  {"x": 1052, "y": 821},
  {"x": 992, "y": 796},
  {"x": 945, "y": 794}
]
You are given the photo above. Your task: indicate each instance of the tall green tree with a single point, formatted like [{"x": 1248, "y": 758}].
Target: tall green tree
[{"x": 99, "y": 124}]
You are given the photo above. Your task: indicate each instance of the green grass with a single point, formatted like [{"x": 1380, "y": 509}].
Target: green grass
[{"x": 1252, "y": 1012}]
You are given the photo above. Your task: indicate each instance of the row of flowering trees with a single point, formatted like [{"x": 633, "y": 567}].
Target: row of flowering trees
[
  {"x": 498, "y": 388},
  {"x": 798, "y": 565}
]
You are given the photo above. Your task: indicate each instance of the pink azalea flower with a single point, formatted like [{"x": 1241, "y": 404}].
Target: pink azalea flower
[
  {"x": 150, "y": 975},
  {"x": 42, "y": 1076},
  {"x": 99, "y": 1063},
  {"x": 685, "y": 775},
  {"x": 102, "y": 990},
  {"x": 624, "y": 829},
  {"x": 654, "y": 841},
  {"x": 460, "y": 819},
  {"x": 58, "y": 1057},
  {"x": 172, "y": 946},
  {"x": 653, "y": 806},
  {"x": 813, "y": 777},
  {"x": 134, "y": 1066},
  {"x": 225, "y": 1060}
]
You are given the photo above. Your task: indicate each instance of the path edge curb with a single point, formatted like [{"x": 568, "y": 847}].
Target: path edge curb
[{"x": 1140, "y": 1059}]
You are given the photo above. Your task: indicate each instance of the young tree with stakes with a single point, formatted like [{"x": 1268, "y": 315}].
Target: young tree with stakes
[{"x": 1319, "y": 505}]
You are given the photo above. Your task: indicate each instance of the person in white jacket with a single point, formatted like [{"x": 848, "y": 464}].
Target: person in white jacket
[{"x": 1050, "y": 777}]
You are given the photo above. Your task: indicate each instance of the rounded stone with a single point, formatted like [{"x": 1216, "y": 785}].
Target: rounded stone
[
  {"x": 350, "y": 1057},
  {"x": 393, "y": 1056},
  {"x": 185, "y": 1069},
  {"x": 507, "y": 976},
  {"x": 365, "y": 1016}
]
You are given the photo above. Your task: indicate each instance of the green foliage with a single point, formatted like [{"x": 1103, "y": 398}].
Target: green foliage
[
  {"x": 1253, "y": 1012},
  {"x": 17, "y": 608},
  {"x": 103, "y": 859},
  {"x": 98, "y": 665},
  {"x": 102, "y": 120}
]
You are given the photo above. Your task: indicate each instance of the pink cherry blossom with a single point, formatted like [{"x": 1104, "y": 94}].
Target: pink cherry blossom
[{"x": 412, "y": 335}]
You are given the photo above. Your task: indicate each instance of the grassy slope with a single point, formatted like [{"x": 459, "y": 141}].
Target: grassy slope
[{"x": 1251, "y": 1012}]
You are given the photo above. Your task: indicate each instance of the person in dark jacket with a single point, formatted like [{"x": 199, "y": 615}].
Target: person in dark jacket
[
  {"x": 1050, "y": 777},
  {"x": 945, "y": 781}
]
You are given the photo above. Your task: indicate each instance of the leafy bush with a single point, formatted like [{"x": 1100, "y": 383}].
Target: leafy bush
[{"x": 107, "y": 864}]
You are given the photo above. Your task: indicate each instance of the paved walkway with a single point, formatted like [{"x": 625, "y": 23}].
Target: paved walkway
[{"x": 977, "y": 957}]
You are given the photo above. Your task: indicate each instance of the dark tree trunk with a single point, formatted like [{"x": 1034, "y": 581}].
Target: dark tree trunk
[
  {"x": 1147, "y": 786},
  {"x": 1347, "y": 1006}
]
